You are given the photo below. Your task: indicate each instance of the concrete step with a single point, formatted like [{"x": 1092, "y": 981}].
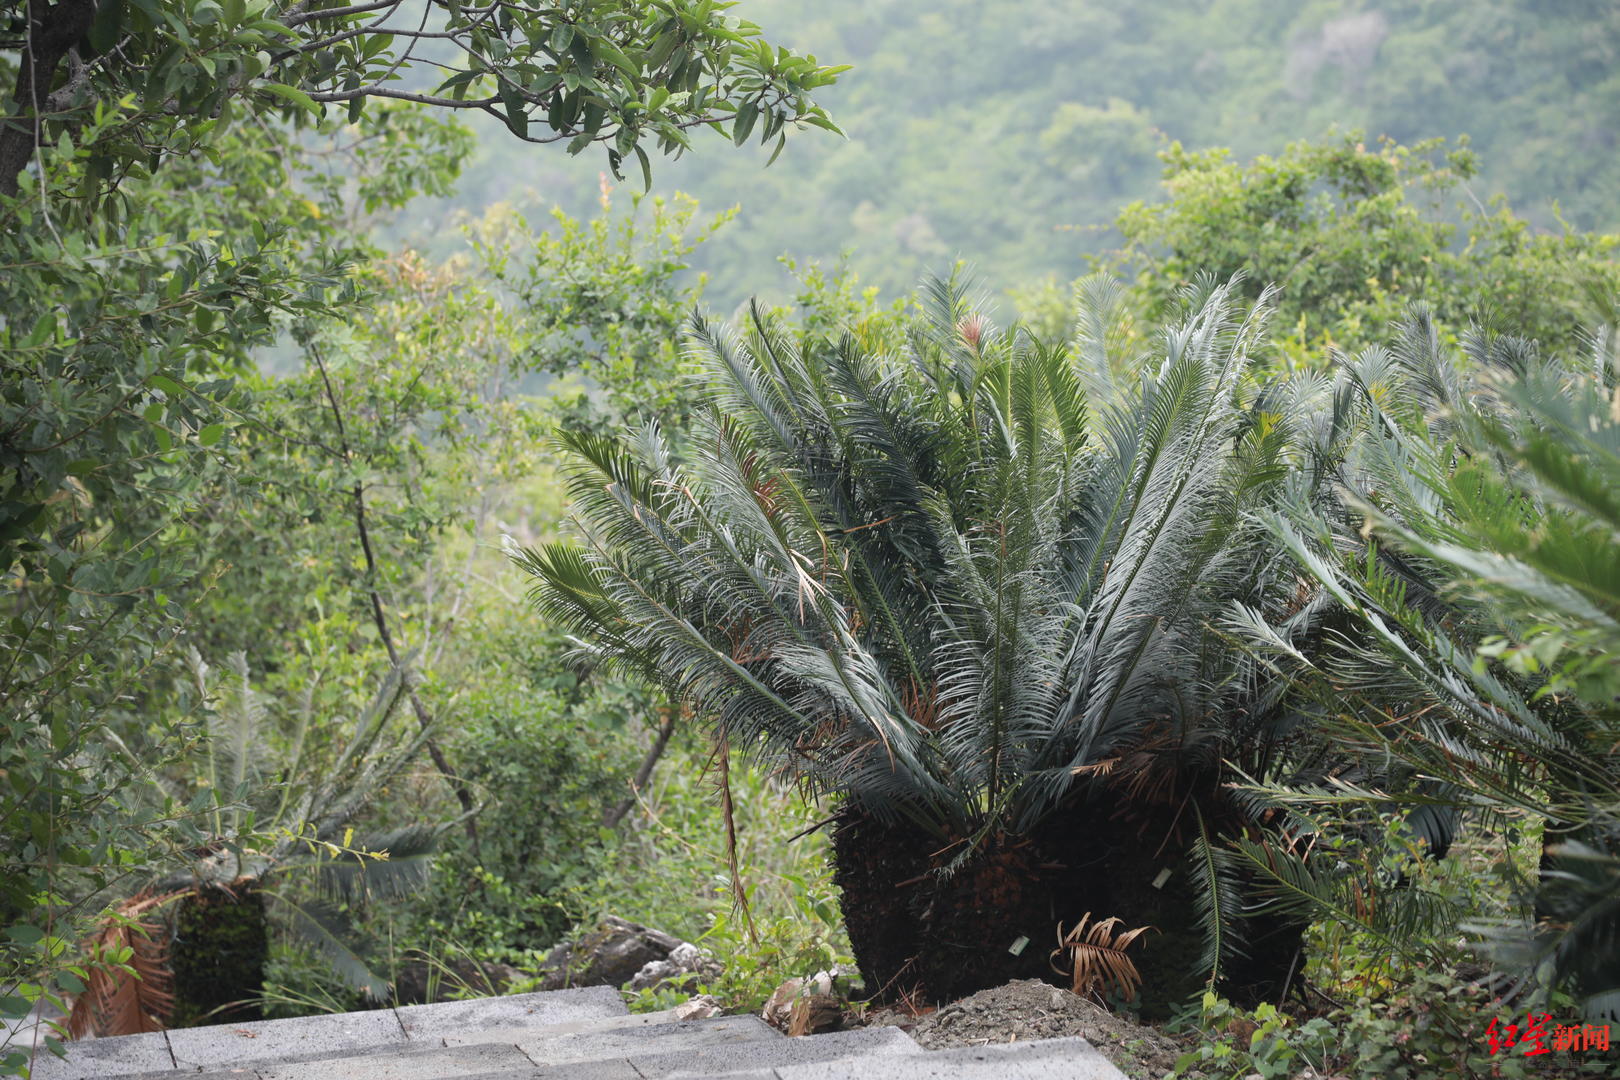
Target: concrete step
[
  {"x": 89, "y": 1059},
  {"x": 552, "y": 1008},
  {"x": 744, "y": 1058},
  {"x": 528, "y": 1052},
  {"x": 1048, "y": 1059},
  {"x": 224, "y": 1046},
  {"x": 566, "y": 1035}
]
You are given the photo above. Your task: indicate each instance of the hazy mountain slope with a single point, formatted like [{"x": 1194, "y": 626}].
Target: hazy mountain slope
[{"x": 1010, "y": 131}]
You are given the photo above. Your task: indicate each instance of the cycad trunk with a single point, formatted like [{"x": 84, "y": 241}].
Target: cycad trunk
[
  {"x": 996, "y": 919},
  {"x": 221, "y": 945}
]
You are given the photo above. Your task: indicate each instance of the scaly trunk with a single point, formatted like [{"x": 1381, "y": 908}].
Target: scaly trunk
[
  {"x": 221, "y": 945},
  {"x": 917, "y": 935}
]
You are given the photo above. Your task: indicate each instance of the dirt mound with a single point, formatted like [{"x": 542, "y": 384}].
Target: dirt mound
[{"x": 1031, "y": 1009}]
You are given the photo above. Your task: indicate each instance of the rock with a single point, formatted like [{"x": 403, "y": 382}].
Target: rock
[
  {"x": 699, "y": 1008},
  {"x": 811, "y": 1014},
  {"x": 422, "y": 981},
  {"x": 778, "y": 1010},
  {"x": 618, "y": 952},
  {"x": 684, "y": 968}
]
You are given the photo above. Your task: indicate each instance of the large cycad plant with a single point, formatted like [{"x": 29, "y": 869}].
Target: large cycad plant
[
  {"x": 1478, "y": 570},
  {"x": 965, "y": 588}
]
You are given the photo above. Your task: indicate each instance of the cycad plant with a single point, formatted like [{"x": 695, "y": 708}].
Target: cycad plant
[
  {"x": 202, "y": 937},
  {"x": 964, "y": 587},
  {"x": 1477, "y": 561}
]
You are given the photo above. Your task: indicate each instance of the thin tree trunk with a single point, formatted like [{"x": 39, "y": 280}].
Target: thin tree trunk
[
  {"x": 665, "y": 730},
  {"x": 423, "y": 717}
]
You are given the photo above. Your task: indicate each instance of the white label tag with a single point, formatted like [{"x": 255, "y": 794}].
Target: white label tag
[
  {"x": 1164, "y": 876},
  {"x": 1017, "y": 947}
]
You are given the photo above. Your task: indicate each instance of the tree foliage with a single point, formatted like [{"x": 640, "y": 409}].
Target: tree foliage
[
  {"x": 169, "y": 76},
  {"x": 1352, "y": 233},
  {"x": 1010, "y": 132}
]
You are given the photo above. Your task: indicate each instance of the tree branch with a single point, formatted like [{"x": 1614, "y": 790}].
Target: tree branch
[
  {"x": 297, "y": 16},
  {"x": 403, "y": 95},
  {"x": 380, "y": 617},
  {"x": 612, "y": 818}
]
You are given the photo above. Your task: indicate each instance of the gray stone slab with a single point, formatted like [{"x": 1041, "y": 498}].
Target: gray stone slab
[
  {"x": 868, "y": 1044},
  {"x": 573, "y": 1027},
  {"x": 91, "y": 1059},
  {"x": 513, "y": 1011},
  {"x": 1047, "y": 1059},
  {"x": 435, "y": 1063},
  {"x": 298, "y": 1038},
  {"x": 578, "y": 1070},
  {"x": 637, "y": 1042},
  {"x": 241, "y": 1072}
]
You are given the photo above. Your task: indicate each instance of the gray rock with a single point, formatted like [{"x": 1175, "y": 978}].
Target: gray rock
[
  {"x": 683, "y": 969},
  {"x": 610, "y": 955}
]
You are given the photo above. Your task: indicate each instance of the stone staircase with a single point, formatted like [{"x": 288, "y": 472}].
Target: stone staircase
[{"x": 583, "y": 1034}]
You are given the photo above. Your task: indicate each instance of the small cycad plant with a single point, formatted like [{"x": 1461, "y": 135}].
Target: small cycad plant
[{"x": 275, "y": 815}]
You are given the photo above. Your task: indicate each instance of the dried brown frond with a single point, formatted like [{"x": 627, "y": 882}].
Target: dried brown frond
[
  {"x": 921, "y": 704},
  {"x": 739, "y": 894},
  {"x": 1097, "y": 957},
  {"x": 133, "y": 995}
]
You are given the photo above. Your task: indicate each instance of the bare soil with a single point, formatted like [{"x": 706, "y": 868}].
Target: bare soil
[{"x": 1031, "y": 1009}]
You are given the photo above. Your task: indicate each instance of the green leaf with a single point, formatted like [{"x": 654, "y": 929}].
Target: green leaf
[
  {"x": 646, "y": 168},
  {"x": 517, "y": 117},
  {"x": 293, "y": 95},
  {"x": 167, "y": 385},
  {"x": 210, "y": 435},
  {"x": 610, "y": 52},
  {"x": 107, "y": 25},
  {"x": 42, "y": 331},
  {"x": 747, "y": 113}
]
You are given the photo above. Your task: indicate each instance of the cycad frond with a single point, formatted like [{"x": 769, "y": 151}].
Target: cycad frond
[
  {"x": 322, "y": 928},
  {"x": 942, "y": 583}
]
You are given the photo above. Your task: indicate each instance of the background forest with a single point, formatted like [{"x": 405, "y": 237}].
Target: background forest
[
  {"x": 1011, "y": 133},
  {"x": 337, "y": 665}
]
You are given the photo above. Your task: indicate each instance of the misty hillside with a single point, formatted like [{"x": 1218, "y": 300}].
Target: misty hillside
[{"x": 1009, "y": 132}]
